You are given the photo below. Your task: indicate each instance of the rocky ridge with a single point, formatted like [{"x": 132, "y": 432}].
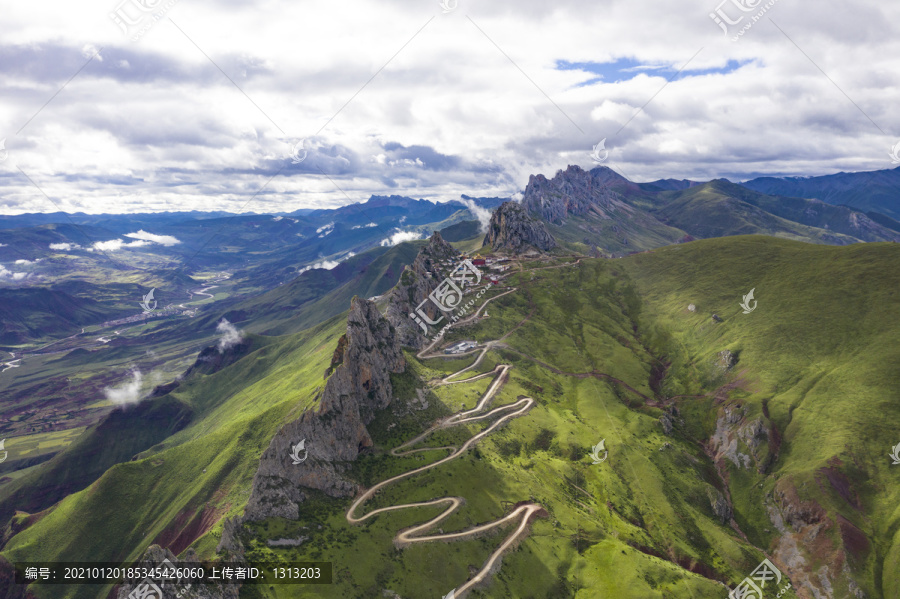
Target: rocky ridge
[
  {"x": 335, "y": 433},
  {"x": 513, "y": 229},
  {"x": 575, "y": 192},
  {"x": 417, "y": 281}
]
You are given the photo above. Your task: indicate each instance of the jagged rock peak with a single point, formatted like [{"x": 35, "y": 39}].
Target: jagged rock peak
[
  {"x": 512, "y": 229},
  {"x": 575, "y": 191},
  {"x": 313, "y": 450},
  {"x": 432, "y": 264}
]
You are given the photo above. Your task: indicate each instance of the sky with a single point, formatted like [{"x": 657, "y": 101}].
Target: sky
[{"x": 271, "y": 106}]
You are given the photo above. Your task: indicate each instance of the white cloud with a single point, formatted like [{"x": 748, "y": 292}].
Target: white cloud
[
  {"x": 325, "y": 264},
  {"x": 115, "y": 244},
  {"x": 166, "y": 240},
  {"x": 325, "y": 230},
  {"x": 128, "y": 392},
  {"x": 365, "y": 226},
  {"x": 197, "y": 144},
  {"x": 27, "y": 262},
  {"x": 400, "y": 237},
  {"x": 482, "y": 214},
  {"x": 65, "y": 246},
  {"x": 231, "y": 336},
  {"x": 13, "y": 276}
]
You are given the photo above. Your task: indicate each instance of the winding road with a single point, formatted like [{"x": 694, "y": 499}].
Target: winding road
[{"x": 522, "y": 512}]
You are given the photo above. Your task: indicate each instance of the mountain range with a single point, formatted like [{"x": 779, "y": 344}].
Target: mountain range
[{"x": 731, "y": 353}]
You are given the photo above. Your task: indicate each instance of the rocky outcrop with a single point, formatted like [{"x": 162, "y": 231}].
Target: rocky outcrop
[
  {"x": 335, "y": 434},
  {"x": 432, "y": 264},
  {"x": 513, "y": 229},
  {"x": 575, "y": 192},
  {"x": 725, "y": 360},
  {"x": 740, "y": 440},
  {"x": 719, "y": 505}
]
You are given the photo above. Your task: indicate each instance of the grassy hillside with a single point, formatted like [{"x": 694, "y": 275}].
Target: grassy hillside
[
  {"x": 713, "y": 210},
  {"x": 179, "y": 489},
  {"x": 319, "y": 294},
  {"x": 607, "y": 348},
  {"x": 818, "y": 360}
]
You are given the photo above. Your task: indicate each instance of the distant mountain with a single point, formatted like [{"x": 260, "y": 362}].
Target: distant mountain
[
  {"x": 668, "y": 184},
  {"x": 602, "y": 209},
  {"x": 597, "y": 208},
  {"x": 39, "y": 312},
  {"x": 876, "y": 191},
  {"x": 720, "y": 208}
]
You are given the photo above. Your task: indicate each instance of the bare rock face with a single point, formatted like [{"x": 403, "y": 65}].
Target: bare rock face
[
  {"x": 719, "y": 505},
  {"x": 574, "y": 192},
  {"x": 417, "y": 281},
  {"x": 513, "y": 229},
  {"x": 336, "y": 433}
]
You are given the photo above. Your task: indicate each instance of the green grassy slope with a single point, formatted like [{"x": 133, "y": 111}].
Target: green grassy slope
[
  {"x": 175, "y": 491},
  {"x": 715, "y": 210},
  {"x": 819, "y": 355},
  {"x": 320, "y": 294},
  {"x": 601, "y": 346}
]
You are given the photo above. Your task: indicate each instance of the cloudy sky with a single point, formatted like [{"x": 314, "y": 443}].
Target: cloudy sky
[{"x": 198, "y": 105}]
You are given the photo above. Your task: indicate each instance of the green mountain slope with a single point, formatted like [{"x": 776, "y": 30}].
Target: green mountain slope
[
  {"x": 780, "y": 453},
  {"x": 720, "y": 208}
]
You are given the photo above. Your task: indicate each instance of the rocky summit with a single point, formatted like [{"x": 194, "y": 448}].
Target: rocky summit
[
  {"x": 575, "y": 192},
  {"x": 512, "y": 229},
  {"x": 432, "y": 264},
  {"x": 336, "y": 432}
]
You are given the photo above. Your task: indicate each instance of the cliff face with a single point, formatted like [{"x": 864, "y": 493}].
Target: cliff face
[
  {"x": 417, "y": 281},
  {"x": 335, "y": 433},
  {"x": 513, "y": 229},
  {"x": 575, "y": 191}
]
